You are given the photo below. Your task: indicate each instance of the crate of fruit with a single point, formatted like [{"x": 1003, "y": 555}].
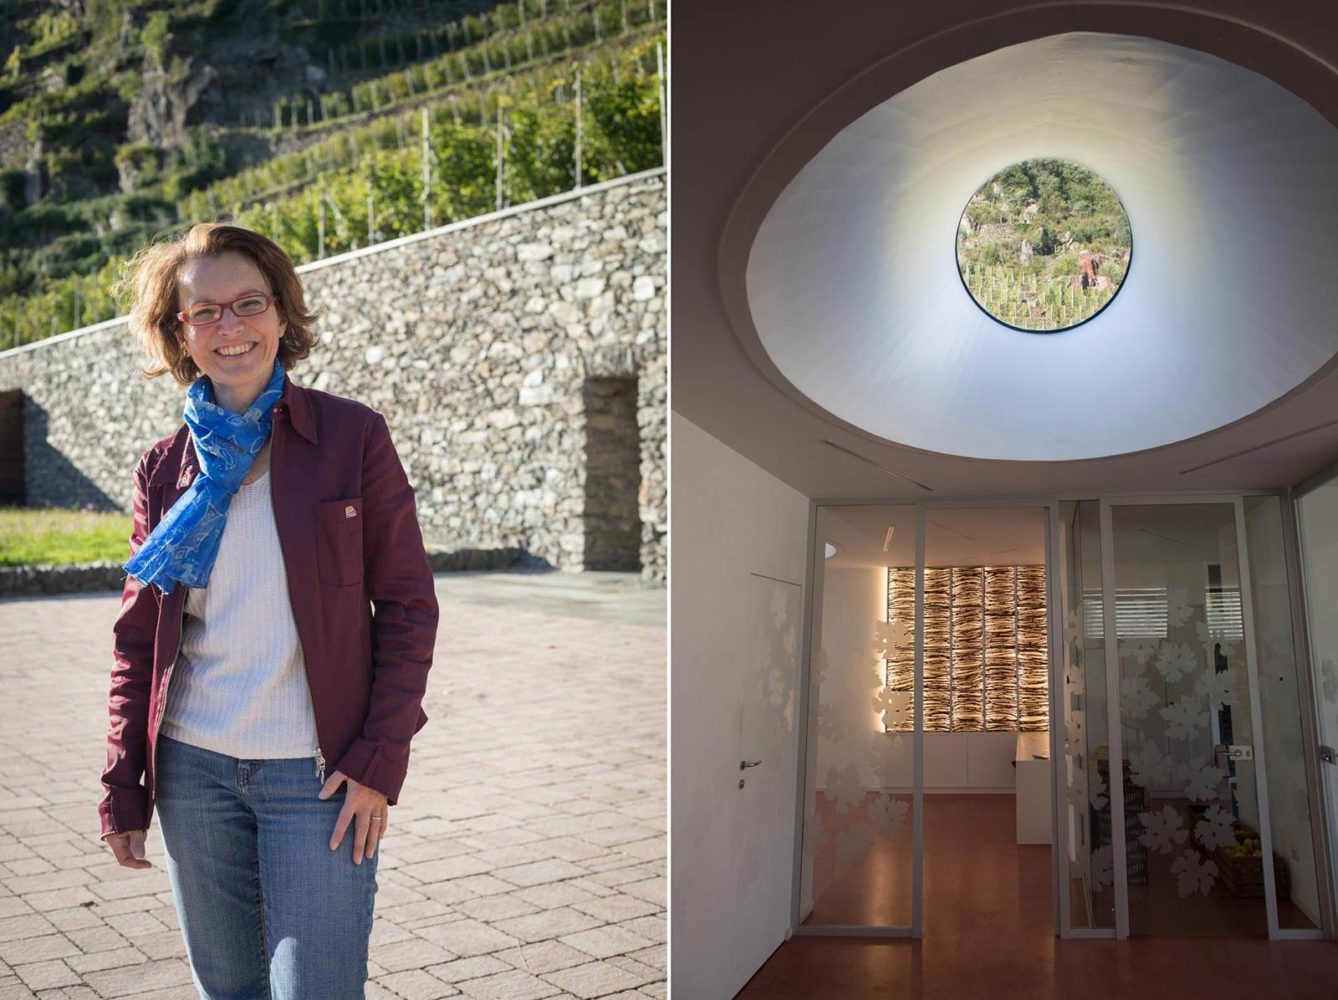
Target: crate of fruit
[{"x": 1242, "y": 866}]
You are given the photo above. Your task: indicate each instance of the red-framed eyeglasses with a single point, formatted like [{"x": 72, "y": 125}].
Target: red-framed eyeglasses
[{"x": 205, "y": 313}]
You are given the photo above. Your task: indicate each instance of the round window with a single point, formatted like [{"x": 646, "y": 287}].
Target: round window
[{"x": 1044, "y": 245}]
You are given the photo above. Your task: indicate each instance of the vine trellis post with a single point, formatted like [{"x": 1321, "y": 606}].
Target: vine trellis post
[
  {"x": 580, "y": 131},
  {"x": 501, "y": 163},
  {"x": 427, "y": 171},
  {"x": 664, "y": 111}
]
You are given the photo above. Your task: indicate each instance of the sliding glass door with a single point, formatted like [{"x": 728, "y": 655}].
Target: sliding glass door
[{"x": 858, "y": 869}]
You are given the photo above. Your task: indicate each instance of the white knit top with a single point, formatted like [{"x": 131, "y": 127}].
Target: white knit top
[{"x": 240, "y": 685}]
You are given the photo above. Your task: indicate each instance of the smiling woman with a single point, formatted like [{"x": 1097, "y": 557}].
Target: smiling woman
[{"x": 266, "y": 529}]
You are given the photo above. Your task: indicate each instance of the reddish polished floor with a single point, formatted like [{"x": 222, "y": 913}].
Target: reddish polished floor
[{"x": 988, "y": 933}]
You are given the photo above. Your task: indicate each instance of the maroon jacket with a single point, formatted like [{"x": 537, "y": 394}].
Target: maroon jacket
[{"x": 349, "y": 532}]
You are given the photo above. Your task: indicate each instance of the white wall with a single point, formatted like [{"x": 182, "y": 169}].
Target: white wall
[{"x": 735, "y": 661}]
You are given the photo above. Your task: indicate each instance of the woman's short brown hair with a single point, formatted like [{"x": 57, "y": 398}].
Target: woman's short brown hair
[{"x": 150, "y": 279}]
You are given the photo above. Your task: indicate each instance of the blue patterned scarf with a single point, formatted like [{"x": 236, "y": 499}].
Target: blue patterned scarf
[{"x": 184, "y": 545}]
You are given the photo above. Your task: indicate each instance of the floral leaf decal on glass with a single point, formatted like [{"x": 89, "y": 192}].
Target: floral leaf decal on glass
[
  {"x": 1162, "y": 830},
  {"x": 1176, "y": 660},
  {"x": 1219, "y": 689},
  {"x": 815, "y": 835},
  {"x": 852, "y": 844},
  {"x": 1214, "y": 830},
  {"x": 1193, "y": 873},
  {"x": 1184, "y": 719},
  {"x": 1103, "y": 867},
  {"x": 1178, "y": 608},
  {"x": 1138, "y": 652},
  {"x": 893, "y": 707},
  {"x": 889, "y": 636},
  {"x": 1073, "y": 629},
  {"x": 1097, "y": 796},
  {"x": 1201, "y": 781},
  {"x": 1148, "y": 766},
  {"x": 844, "y": 787},
  {"x": 888, "y": 815},
  {"x": 1136, "y": 698}
]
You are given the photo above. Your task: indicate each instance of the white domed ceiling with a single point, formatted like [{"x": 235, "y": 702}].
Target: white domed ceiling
[{"x": 1229, "y": 184}]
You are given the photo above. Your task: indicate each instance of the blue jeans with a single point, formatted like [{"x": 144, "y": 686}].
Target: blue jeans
[{"x": 266, "y": 908}]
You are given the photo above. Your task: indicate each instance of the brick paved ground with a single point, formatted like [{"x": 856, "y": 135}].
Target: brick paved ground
[{"x": 526, "y": 858}]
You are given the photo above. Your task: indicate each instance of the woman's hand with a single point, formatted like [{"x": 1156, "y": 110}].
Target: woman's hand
[
  {"x": 129, "y": 848},
  {"x": 370, "y": 809}
]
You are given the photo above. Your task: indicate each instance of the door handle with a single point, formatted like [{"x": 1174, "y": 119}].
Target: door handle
[
  {"x": 1328, "y": 755},
  {"x": 1234, "y": 751},
  {"x": 745, "y": 764}
]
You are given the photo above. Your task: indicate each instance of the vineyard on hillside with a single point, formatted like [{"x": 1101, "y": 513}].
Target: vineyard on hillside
[
  {"x": 1033, "y": 302},
  {"x": 507, "y": 105}
]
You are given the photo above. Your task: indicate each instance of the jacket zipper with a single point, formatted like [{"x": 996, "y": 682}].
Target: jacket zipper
[
  {"x": 162, "y": 702},
  {"x": 274, "y": 505}
]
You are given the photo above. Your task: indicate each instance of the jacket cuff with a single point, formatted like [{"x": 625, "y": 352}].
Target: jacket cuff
[
  {"x": 123, "y": 809},
  {"x": 373, "y": 765}
]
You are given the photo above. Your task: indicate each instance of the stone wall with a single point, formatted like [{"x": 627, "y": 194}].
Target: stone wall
[{"x": 490, "y": 346}]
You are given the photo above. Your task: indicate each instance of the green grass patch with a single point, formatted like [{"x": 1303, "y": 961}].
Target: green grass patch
[{"x": 59, "y": 537}]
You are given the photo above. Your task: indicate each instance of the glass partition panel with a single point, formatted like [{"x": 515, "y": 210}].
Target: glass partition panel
[
  {"x": 1285, "y": 759},
  {"x": 988, "y": 804},
  {"x": 1317, "y": 520},
  {"x": 1084, "y": 775},
  {"x": 857, "y": 868},
  {"x": 1191, "y": 812}
]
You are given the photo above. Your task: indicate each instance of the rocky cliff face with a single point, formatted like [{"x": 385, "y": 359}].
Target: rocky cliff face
[{"x": 158, "y": 113}]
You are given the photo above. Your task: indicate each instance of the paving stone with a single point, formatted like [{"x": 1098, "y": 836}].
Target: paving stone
[
  {"x": 99, "y": 960},
  {"x": 606, "y": 941},
  {"x": 593, "y": 980},
  {"x": 460, "y": 889},
  {"x": 492, "y": 908},
  {"x": 553, "y": 895},
  {"x": 468, "y": 937},
  {"x": 132, "y": 980},
  {"x": 611, "y": 909},
  {"x": 415, "y": 984},
  {"x": 45, "y": 975},
  {"x": 413, "y": 953},
  {"x": 474, "y": 967},
  {"x": 543, "y": 956},
  {"x": 37, "y": 949},
  {"x": 655, "y": 956},
  {"x": 652, "y": 928},
  {"x": 23, "y": 927},
  {"x": 513, "y": 985},
  {"x": 547, "y": 924},
  {"x": 539, "y": 872}
]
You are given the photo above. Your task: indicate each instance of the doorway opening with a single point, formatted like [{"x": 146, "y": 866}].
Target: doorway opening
[{"x": 612, "y": 519}]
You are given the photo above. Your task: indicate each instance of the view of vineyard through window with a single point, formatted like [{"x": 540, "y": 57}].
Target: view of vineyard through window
[{"x": 1044, "y": 245}]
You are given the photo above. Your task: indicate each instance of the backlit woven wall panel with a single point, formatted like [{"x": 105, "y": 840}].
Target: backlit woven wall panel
[
  {"x": 968, "y": 651},
  {"x": 938, "y": 650},
  {"x": 1001, "y": 649},
  {"x": 1032, "y": 651},
  {"x": 985, "y": 647},
  {"x": 901, "y": 666}
]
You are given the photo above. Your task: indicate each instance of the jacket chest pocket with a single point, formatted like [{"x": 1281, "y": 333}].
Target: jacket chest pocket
[{"x": 339, "y": 541}]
